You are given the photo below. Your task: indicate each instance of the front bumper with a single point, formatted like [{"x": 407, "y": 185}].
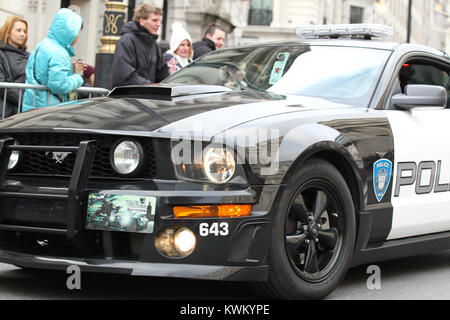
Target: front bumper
[
  {"x": 45, "y": 226},
  {"x": 191, "y": 271}
]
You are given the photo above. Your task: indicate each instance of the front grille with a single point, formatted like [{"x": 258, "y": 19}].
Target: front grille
[{"x": 45, "y": 163}]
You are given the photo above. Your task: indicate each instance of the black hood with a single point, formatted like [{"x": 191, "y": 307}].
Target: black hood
[
  {"x": 140, "y": 31},
  {"x": 213, "y": 112},
  {"x": 11, "y": 48},
  {"x": 206, "y": 42},
  {"x": 125, "y": 113}
]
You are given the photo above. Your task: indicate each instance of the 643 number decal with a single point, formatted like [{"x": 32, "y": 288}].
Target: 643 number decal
[{"x": 214, "y": 229}]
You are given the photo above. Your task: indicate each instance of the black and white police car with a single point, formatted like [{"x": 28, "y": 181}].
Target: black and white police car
[{"x": 281, "y": 164}]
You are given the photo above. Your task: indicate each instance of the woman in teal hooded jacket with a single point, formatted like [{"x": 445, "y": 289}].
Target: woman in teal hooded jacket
[{"x": 50, "y": 65}]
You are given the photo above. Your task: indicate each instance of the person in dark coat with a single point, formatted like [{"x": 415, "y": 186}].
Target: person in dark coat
[
  {"x": 13, "y": 60},
  {"x": 214, "y": 39},
  {"x": 138, "y": 59}
]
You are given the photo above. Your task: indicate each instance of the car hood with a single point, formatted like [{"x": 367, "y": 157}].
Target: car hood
[{"x": 196, "y": 115}]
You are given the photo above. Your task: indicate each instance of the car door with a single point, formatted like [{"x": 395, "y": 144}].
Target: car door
[{"x": 421, "y": 169}]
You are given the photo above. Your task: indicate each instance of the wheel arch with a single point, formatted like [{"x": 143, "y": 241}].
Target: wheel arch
[{"x": 341, "y": 159}]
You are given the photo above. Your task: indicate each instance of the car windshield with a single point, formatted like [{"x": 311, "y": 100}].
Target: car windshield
[{"x": 340, "y": 74}]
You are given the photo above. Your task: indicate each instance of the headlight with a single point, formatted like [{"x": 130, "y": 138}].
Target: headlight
[
  {"x": 213, "y": 163},
  {"x": 14, "y": 158},
  {"x": 218, "y": 164},
  {"x": 127, "y": 157}
]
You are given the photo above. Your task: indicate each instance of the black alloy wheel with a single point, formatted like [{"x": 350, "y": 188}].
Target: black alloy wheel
[
  {"x": 313, "y": 234},
  {"x": 313, "y": 230}
]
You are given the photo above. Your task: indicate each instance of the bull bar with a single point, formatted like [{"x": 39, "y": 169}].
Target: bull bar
[{"x": 74, "y": 194}]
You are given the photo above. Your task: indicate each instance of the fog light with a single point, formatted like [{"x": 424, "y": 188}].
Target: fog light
[
  {"x": 175, "y": 242},
  {"x": 184, "y": 241}
]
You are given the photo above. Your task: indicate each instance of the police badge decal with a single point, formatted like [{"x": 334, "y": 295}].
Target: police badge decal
[{"x": 382, "y": 170}]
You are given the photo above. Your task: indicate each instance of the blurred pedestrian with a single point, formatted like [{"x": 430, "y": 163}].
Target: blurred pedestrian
[
  {"x": 164, "y": 45},
  {"x": 180, "y": 53},
  {"x": 214, "y": 39},
  {"x": 50, "y": 63},
  {"x": 138, "y": 59},
  {"x": 88, "y": 81},
  {"x": 13, "y": 60},
  {"x": 89, "y": 76}
]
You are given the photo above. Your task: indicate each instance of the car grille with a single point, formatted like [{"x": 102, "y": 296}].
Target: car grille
[{"x": 43, "y": 163}]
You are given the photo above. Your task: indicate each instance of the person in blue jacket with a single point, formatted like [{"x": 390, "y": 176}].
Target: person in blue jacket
[{"x": 50, "y": 63}]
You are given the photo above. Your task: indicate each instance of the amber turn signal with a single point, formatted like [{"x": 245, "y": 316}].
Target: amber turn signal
[{"x": 219, "y": 211}]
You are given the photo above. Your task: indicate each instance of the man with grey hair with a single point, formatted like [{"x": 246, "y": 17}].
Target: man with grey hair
[{"x": 138, "y": 59}]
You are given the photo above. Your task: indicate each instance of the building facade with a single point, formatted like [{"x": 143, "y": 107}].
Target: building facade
[{"x": 254, "y": 21}]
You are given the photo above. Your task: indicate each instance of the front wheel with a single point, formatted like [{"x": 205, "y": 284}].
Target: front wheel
[{"x": 313, "y": 234}]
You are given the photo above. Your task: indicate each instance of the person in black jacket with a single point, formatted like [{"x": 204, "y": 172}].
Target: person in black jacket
[
  {"x": 214, "y": 39},
  {"x": 13, "y": 61},
  {"x": 138, "y": 59}
]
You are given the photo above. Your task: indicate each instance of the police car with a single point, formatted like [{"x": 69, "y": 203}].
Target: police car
[{"x": 281, "y": 164}]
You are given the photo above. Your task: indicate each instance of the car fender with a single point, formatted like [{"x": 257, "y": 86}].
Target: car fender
[
  {"x": 272, "y": 154},
  {"x": 314, "y": 139}
]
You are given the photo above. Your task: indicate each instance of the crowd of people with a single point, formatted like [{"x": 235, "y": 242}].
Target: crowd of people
[{"x": 138, "y": 59}]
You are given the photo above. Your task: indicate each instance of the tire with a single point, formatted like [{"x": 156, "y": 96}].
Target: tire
[{"x": 313, "y": 234}]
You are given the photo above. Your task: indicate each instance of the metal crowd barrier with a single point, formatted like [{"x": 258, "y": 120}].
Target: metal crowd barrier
[{"x": 21, "y": 87}]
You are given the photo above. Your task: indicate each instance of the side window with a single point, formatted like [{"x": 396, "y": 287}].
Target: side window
[
  {"x": 424, "y": 72},
  {"x": 421, "y": 73}
]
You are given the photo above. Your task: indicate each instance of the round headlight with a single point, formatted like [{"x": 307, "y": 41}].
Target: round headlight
[
  {"x": 218, "y": 164},
  {"x": 14, "y": 158},
  {"x": 127, "y": 157}
]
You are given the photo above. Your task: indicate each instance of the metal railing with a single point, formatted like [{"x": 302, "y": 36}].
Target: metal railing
[{"x": 89, "y": 91}]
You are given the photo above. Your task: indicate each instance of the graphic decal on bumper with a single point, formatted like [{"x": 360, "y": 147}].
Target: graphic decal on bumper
[{"x": 125, "y": 213}]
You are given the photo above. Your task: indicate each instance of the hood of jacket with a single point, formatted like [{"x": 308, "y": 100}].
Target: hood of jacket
[
  {"x": 138, "y": 30},
  {"x": 8, "y": 47},
  {"x": 65, "y": 28},
  {"x": 179, "y": 34},
  {"x": 208, "y": 43}
]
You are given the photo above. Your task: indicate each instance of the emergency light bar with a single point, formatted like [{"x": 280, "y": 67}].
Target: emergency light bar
[{"x": 365, "y": 31}]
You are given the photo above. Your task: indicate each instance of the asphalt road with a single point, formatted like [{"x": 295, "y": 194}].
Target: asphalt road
[{"x": 423, "y": 277}]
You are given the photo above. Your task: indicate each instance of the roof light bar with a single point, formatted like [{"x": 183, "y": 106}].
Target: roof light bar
[{"x": 366, "y": 31}]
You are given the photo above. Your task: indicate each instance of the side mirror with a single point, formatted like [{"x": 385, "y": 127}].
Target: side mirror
[{"x": 421, "y": 96}]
